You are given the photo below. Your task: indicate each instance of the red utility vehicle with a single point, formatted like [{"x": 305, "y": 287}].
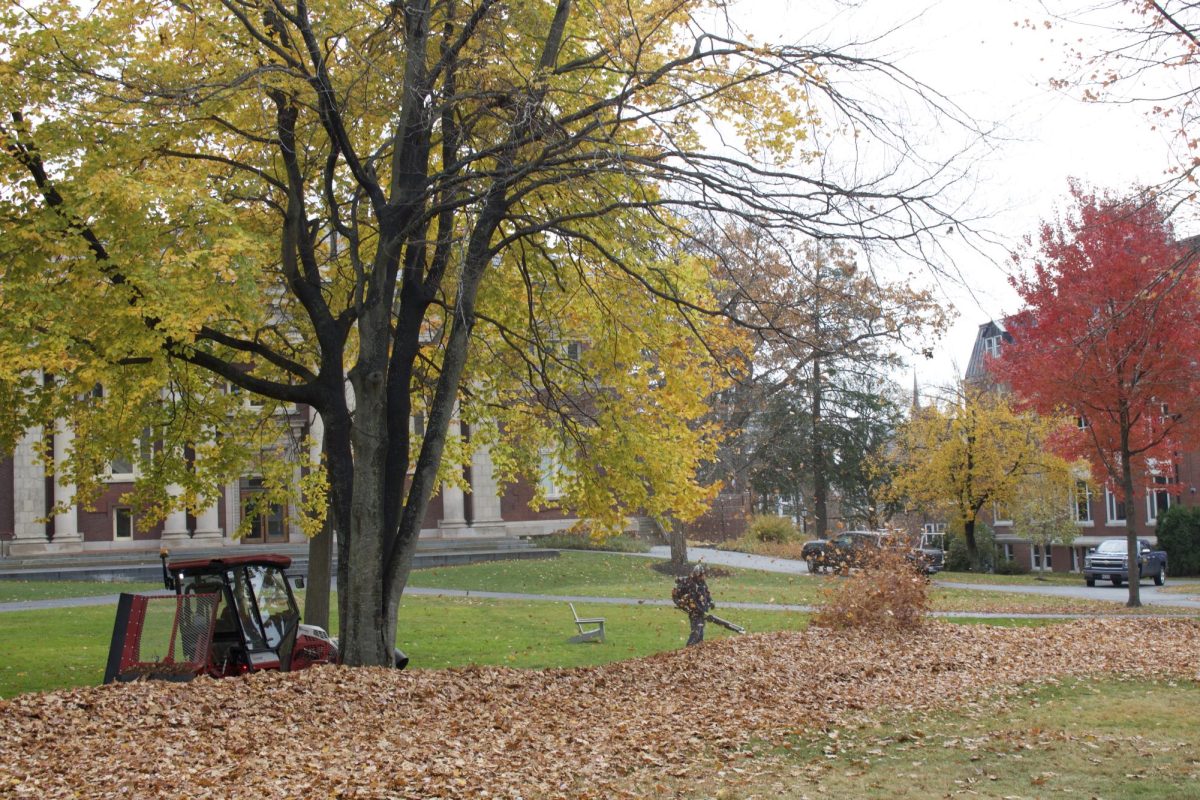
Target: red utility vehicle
[{"x": 229, "y": 615}]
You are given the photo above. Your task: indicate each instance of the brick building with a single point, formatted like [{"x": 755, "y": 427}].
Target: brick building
[
  {"x": 28, "y": 495},
  {"x": 1097, "y": 513}
]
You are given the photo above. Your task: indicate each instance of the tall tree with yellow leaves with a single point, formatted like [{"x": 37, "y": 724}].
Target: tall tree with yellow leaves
[{"x": 388, "y": 210}]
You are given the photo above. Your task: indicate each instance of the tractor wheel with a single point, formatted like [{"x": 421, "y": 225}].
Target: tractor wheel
[{"x": 1160, "y": 577}]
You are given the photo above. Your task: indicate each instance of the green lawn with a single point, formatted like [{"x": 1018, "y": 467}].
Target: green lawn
[
  {"x": 17, "y": 591},
  {"x": 57, "y": 648},
  {"x": 607, "y": 575},
  {"x": 1107, "y": 739},
  {"x": 42, "y": 650},
  {"x": 1032, "y": 579}
]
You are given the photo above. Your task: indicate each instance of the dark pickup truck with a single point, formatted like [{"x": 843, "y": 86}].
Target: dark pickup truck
[
  {"x": 855, "y": 549},
  {"x": 1110, "y": 560}
]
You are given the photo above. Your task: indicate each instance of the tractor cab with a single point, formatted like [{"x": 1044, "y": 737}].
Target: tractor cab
[
  {"x": 228, "y": 616},
  {"x": 257, "y": 622}
]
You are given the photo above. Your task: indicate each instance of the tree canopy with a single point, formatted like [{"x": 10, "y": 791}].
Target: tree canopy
[
  {"x": 386, "y": 212},
  {"x": 969, "y": 454}
]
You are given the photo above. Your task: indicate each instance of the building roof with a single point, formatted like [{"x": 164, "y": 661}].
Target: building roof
[{"x": 976, "y": 368}]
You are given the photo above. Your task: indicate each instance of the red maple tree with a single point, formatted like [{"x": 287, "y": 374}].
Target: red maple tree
[{"x": 1110, "y": 333}]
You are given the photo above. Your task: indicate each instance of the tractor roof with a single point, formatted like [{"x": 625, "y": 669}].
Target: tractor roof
[{"x": 225, "y": 562}]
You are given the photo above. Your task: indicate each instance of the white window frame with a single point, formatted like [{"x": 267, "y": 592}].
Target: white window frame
[
  {"x": 1008, "y": 551},
  {"x": 1152, "y": 494},
  {"x": 249, "y": 399},
  {"x": 117, "y": 513},
  {"x": 143, "y": 446},
  {"x": 1084, "y": 519},
  {"x": 997, "y": 510},
  {"x": 992, "y": 345},
  {"x": 1110, "y": 507},
  {"x": 1040, "y": 553},
  {"x": 548, "y": 472}
]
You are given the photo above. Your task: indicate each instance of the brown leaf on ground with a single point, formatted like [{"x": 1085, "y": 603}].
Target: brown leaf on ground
[{"x": 503, "y": 733}]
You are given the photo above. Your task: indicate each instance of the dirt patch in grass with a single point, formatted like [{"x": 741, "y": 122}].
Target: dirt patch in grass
[{"x": 504, "y": 733}]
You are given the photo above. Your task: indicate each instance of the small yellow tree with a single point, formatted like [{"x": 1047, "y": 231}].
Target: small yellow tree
[
  {"x": 1041, "y": 504},
  {"x": 966, "y": 454}
]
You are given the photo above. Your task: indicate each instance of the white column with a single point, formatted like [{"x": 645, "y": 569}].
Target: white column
[
  {"x": 208, "y": 524},
  {"x": 175, "y": 531},
  {"x": 29, "y": 497},
  {"x": 66, "y": 524},
  {"x": 233, "y": 509},
  {"x": 485, "y": 494},
  {"x": 454, "y": 519}
]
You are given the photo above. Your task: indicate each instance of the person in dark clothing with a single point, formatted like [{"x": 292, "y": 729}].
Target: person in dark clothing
[{"x": 692, "y": 597}]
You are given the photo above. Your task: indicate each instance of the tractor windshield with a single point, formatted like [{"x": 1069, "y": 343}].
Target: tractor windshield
[
  {"x": 275, "y": 602},
  {"x": 265, "y": 603}
]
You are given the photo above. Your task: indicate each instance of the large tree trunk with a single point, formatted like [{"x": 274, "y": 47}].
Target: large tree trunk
[
  {"x": 972, "y": 545},
  {"x": 366, "y": 639}
]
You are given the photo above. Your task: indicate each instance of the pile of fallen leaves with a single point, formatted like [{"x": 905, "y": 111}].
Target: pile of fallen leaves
[{"x": 503, "y": 733}]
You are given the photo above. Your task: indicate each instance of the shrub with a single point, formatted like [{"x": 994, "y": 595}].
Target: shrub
[
  {"x": 1179, "y": 534},
  {"x": 1010, "y": 566},
  {"x": 772, "y": 530},
  {"x": 957, "y": 559},
  {"x": 888, "y": 594}
]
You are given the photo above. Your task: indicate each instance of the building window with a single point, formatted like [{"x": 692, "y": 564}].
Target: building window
[
  {"x": 1081, "y": 503},
  {"x": 573, "y": 351},
  {"x": 1042, "y": 557},
  {"x": 122, "y": 522},
  {"x": 991, "y": 345},
  {"x": 126, "y": 468},
  {"x": 266, "y": 522},
  {"x": 935, "y": 527},
  {"x": 1007, "y": 551},
  {"x": 1158, "y": 500},
  {"x": 1081, "y": 422},
  {"x": 249, "y": 399},
  {"x": 1116, "y": 508},
  {"x": 550, "y": 477},
  {"x": 1001, "y": 515}
]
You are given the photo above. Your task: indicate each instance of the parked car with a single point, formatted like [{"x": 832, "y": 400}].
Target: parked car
[
  {"x": 855, "y": 548},
  {"x": 1110, "y": 560}
]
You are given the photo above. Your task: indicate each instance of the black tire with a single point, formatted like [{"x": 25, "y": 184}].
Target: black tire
[
  {"x": 1160, "y": 577},
  {"x": 813, "y": 566},
  {"x": 1090, "y": 581},
  {"x": 1116, "y": 580}
]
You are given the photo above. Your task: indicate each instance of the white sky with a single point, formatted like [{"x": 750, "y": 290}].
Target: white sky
[{"x": 972, "y": 52}]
